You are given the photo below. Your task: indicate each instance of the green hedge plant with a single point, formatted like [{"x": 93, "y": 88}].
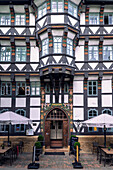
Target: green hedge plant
[
  {"x": 40, "y": 138},
  {"x": 38, "y": 145},
  {"x": 76, "y": 143}
]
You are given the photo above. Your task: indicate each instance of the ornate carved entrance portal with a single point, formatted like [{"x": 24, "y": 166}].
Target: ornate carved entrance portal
[{"x": 56, "y": 129}]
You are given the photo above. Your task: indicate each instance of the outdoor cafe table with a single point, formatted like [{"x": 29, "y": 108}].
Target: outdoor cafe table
[
  {"x": 106, "y": 153},
  {"x": 3, "y": 152}
]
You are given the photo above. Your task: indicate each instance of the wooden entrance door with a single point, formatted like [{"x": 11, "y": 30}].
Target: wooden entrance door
[{"x": 56, "y": 129}]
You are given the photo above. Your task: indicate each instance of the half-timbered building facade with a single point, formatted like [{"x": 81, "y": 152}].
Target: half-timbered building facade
[{"x": 56, "y": 65}]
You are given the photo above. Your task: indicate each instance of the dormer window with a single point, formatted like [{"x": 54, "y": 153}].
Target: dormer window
[
  {"x": 57, "y": 5},
  {"x": 42, "y": 10}
]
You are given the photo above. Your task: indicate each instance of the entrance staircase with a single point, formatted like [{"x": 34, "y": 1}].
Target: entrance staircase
[{"x": 56, "y": 150}]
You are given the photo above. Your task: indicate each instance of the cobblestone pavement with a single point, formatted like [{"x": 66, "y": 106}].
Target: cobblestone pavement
[{"x": 88, "y": 161}]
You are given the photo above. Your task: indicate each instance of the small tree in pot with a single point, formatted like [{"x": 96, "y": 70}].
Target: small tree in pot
[
  {"x": 38, "y": 150},
  {"x": 41, "y": 139}
]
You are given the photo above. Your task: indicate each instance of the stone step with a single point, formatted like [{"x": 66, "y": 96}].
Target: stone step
[{"x": 56, "y": 150}]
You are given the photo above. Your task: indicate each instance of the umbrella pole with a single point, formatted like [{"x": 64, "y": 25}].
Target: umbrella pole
[
  {"x": 104, "y": 136},
  {"x": 8, "y": 133}
]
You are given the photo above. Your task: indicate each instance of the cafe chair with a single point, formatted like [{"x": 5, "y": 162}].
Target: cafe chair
[{"x": 94, "y": 148}]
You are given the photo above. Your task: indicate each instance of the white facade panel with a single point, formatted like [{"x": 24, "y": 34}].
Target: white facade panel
[
  {"x": 78, "y": 113},
  {"x": 20, "y": 66},
  {"x": 59, "y": 98},
  {"x": 79, "y": 53},
  {"x": 92, "y": 102},
  {"x": 4, "y": 9},
  {"x": 78, "y": 78},
  {"x": 108, "y": 8},
  {"x": 57, "y": 19},
  {"x": 6, "y": 102},
  {"x": 108, "y": 42},
  {"x": 5, "y": 30},
  {"x": 5, "y": 78},
  {"x": 94, "y": 8},
  {"x": 53, "y": 98},
  {"x": 35, "y": 127},
  {"x": 65, "y": 98},
  {"x": 35, "y": 101},
  {"x": 32, "y": 19},
  {"x": 4, "y": 42},
  {"x": 82, "y": 19},
  {"x": 106, "y": 100},
  {"x": 19, "y": 9},
  {"x": 47, "y": 98},
  {"x": 20, "y": 102},
  {"x": 20, "y": 43},
  {"x": 93, "y": 42},
  {"x": 78, "y": 100},
  {"x": 77, "y": 86},
  {"x": 34, "y": 54},
  {"x": 43, "y": 36},
  {"x": 34, "y": 78},
  {"x": 35, "y": 113},
  {"x": 93, "y": 77},
  {"x": 5, "y": 66},
  {"x": 70, "y": 35},
  {"x": 20, "y": 78},
  {"x": 41, "y": 22},
  {"x": 106, "y": 86},
  {"x": 57, "y": 32}
]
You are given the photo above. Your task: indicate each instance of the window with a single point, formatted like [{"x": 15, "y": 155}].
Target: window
[
  {"x": 108, "y": 19},
  {"x": 42, "y": 10},
  {"x": 45, "y": 46},
  {"x": 69, "y": 46},
  {"x": 20, "y": 127},
  {"x": 20, "y": 19},
  {"x": 93, "y": 53},
  {"x": 5, "y": 19},
  {"x": 107, "y": 53},
  {"x": 47, "y": 88},
  {"x": 92, "y": 88},
  {"x": 57, "y": 44},
  {"x": 108, "y": 111},
  {"x": 57, "y": 5},
  {"x": 92, "y": 113},
  {"x": 20, "y": 88},
  {"x": 20, "y": 53},
  {"x": 6, "y": 88},
  {"x": 93, "y": 18},
  {"x": 35, "y": 88},
  {"x": 5, "y": 53},
  {"x": 4, "y": 128},
  {"x": 72, "y": 9},
  {"x": 66, "y": 88}
]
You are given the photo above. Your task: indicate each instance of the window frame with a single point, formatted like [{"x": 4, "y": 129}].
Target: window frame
[
  {"x": 57, "y": 6},
  {"x": 5, "y": 52},
  {"x": 20, "y": 19},
  {"x": 4, "y": 126},
  {"x": 93, "y": 14},
  {"x": 92, "y": 117},
  {"x": 66, "y": 84},
  {"x": 5, "y": 14},
  {"x": 20, "y": 124},
  {"x": 93, "y": 52},
  {"x": 17, "y": 88},
  {"x": 68, "y": 49},
  {"x": 107, "y": 129},
  {"x": 107, "y": 52},
  {"x": 92, "y": 86},
  {"x": 37, "y": 85},
  {"x": 21, "y": 55},
  {"x": 41, "y": 6},
  {"x": 73, "y": 6},
  {"x": 47, "y": 83},
  {"x": 6, "y": 88},
  {"x": 107, "y": 14},
  {"x": 57, "y": 45},
  {"x": 45, "y": 45}
]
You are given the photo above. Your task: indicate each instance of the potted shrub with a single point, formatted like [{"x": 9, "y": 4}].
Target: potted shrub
[
  {"x": 38, "y": 150},
  {"x": 109, "y": 148},
  {"x": 75, "y": 144},
  {"x": 73, "y": 139},
  {"x": 3, "y": 146},
  {"x": 41, "y": 139}
]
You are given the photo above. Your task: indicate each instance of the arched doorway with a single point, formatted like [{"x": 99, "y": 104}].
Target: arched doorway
[{"x": 56, "y": 129}]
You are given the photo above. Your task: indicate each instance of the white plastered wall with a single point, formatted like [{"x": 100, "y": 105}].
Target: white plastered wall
[
  {"x": 78, "y": 113},
  {"x": 77, "y": 86},
  {"x": 79, "y": 53},
  {"x": 35, "y": 113}
]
